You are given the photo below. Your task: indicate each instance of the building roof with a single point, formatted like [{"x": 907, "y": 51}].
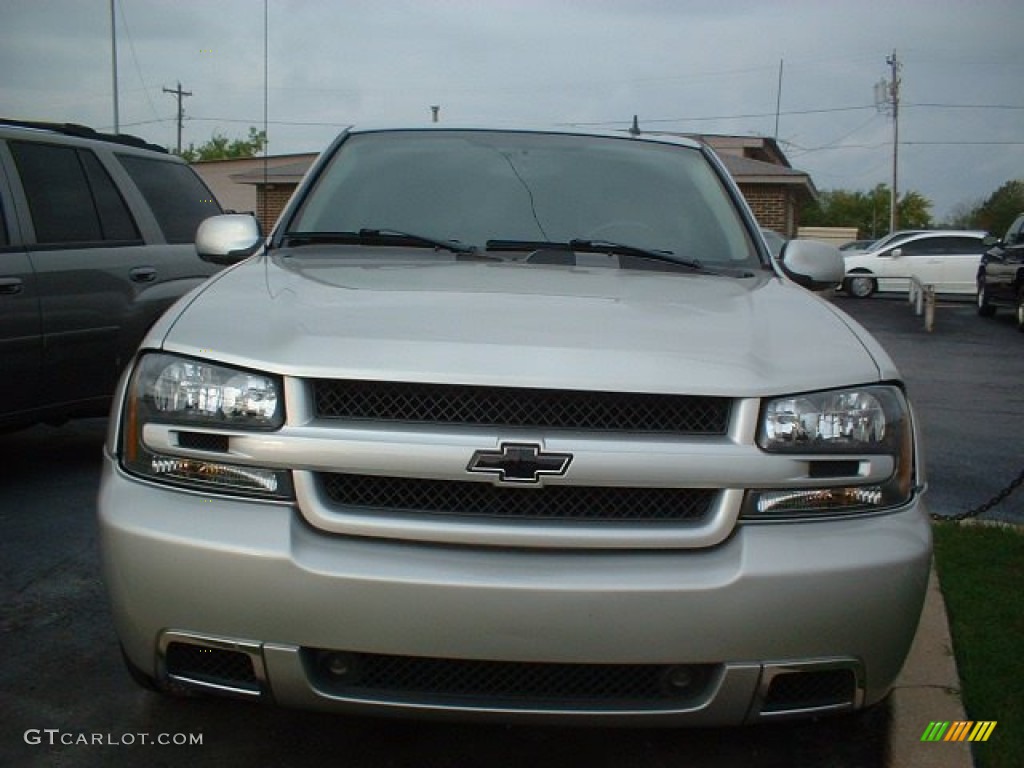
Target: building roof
[
  {"x": 289, "y": 173},
  {"x": 749, "y": 160},
  {"x": 745, "y": 170},
  {"x": 763, "y": 148}
]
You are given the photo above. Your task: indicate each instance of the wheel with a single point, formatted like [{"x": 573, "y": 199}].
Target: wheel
[
  {"x": 984, "y": 308},
  {"x": 860, "y": 286}
]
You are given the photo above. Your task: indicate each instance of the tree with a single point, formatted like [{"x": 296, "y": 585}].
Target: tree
[
  {"x": 867, "y": 211},
  {"x": 963, "y": 215},
  {"x": 914, "y": 211},
  {"x": 1001, "y": 208},
  {"x": 219, "y": 147},
  {"x": 993, "y": 214}
]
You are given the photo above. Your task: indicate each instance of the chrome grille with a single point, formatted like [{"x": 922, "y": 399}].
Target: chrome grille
[
  {"x": 555, "y": 502},
  {"x": 512, "y": 407}
]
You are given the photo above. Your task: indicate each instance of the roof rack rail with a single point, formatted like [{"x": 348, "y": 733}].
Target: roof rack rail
[{"x": 85, "y": 132}]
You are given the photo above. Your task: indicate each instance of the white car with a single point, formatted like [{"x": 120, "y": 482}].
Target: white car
[{"x": 945, "y": 259}]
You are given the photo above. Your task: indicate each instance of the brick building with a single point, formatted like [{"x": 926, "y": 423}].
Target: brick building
[
  {"x": 774, "y": 189},
  {"x": 257, "y": 185}
]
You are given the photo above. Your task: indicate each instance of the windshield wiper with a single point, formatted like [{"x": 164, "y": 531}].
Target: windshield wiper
[
  {"x": 378, "y": 237},
  {"x": 599, "y": 246}
]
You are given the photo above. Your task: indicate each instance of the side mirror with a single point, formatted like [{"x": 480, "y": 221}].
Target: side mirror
[
  {"x": 229, "y": 238},
  {"x": 896, "y": 252},
  {"x": 812, "y": 264}
]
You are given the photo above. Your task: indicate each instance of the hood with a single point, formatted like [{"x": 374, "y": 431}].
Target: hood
[{"x": 438, "y": 320}]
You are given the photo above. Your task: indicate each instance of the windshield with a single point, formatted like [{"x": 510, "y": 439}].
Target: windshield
[{"x": 472, "y": 187}]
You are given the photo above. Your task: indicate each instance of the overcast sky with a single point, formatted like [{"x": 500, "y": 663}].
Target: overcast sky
[{"x": 710, "y": 67}]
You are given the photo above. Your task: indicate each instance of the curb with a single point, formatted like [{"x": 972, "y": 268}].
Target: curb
[{"x": 928, "y": 690}]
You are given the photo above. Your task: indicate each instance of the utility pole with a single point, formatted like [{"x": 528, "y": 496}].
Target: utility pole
[
  {"x": 887, "y": 99},
  {"x": 778, "y": 100},
  {"x": 113, "y": 64},
  {"x": 181, "y": 109}
]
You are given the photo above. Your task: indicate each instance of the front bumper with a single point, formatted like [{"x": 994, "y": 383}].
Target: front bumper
[{"x": 238, "y": 580}]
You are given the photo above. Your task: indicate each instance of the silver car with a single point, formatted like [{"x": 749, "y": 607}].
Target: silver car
[{"x": 520, "y": 425}]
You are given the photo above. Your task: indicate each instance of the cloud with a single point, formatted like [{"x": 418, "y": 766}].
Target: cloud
[{"x": 687, "y": 66}]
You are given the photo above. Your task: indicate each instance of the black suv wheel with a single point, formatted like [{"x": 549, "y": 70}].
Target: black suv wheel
[{"x": 985, "y": 309}]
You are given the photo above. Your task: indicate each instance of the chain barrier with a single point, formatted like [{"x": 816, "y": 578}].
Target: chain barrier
[{"x": 999, "y": 498}]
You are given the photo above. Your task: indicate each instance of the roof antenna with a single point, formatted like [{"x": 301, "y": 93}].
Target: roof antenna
[{"x": 634, "y": 129}]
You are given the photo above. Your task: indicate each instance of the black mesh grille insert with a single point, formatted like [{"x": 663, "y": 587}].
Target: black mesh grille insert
[
  {"x": 211, "y": 665},
  {"x": 506, "y": 406},
  {"x": 376, "y": 676},
  {"x": 203, "y": 441},
  {"x": 556, "y": 502},
  {"x": 808, "y": 690}
]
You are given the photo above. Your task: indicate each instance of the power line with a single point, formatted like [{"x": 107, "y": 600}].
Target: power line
[
  {"x": 932, "y": 105},
  {"x": 748, "y": 116},
  {"x": 650, "y": 121},
  {"x": 965, "y": 143},
  {"x": 822, "y": 111},
  {"x": 147, "y": 122},
  {"x": 335, "y": 124},
  {"x": 135, "y": 58}
]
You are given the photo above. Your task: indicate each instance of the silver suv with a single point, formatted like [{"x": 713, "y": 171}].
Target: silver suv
[
  {"x": 522, "y": 425},
  {"x": 96, "y": 241}
]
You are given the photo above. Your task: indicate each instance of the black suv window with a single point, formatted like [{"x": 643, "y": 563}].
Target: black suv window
[
  {"x": 178, "y": 198},
  {"x": 1015, "y": 232},
  {"x": 71, "y": 196}
]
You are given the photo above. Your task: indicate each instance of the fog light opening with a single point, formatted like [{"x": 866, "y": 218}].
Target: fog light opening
[
  {"x": 678, "y": 679},
  {"x": 341, "y": 667}
]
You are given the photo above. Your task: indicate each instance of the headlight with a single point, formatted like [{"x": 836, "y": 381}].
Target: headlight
[
  {"x": 199, "y": 392},
  {"x": 836, "y": 425},
  {"x": 197, "y": 404},
  {"x": 866, "y": 420}
]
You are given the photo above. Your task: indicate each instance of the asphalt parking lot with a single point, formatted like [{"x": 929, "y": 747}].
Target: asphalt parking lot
[
  {"x": 964, "y": 381},
  {"x": 66, "y": 700}
]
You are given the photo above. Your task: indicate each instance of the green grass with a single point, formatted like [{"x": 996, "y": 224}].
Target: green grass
[{"x": 981, "y": 571}]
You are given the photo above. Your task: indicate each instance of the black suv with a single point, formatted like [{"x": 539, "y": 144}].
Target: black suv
[
  {"x": 97, "y": 237},
  {"x": 1001, "y": 274}
]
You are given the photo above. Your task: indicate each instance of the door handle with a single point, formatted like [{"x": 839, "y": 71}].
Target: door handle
[
  {"x": 142, "y": 275},
  {"x": 10, "y": 285}
]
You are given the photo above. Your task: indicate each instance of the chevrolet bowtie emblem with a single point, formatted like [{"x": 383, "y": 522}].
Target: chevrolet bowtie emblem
[{"x": 519, "y": 463}]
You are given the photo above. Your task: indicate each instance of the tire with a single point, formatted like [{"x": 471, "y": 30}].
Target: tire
[
  {"x": 984, "y": 308},
  {"x": 1020, "y": 312},
  {"x": 860, "y": 286}
]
